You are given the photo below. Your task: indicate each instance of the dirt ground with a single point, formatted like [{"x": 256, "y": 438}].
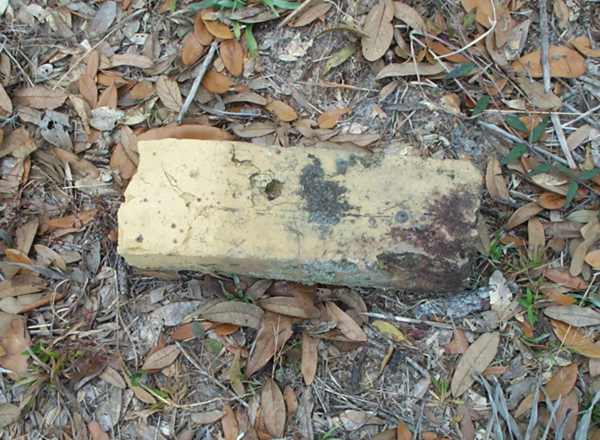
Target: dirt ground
[{"x": 93, "y": 348}]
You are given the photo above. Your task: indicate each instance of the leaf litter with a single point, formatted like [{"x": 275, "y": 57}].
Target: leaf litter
[{"x": 239, "y": 355}]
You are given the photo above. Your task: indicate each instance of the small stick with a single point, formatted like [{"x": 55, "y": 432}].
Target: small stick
[
  {"x": 196, "y": 85},
  {"x": 546, "y": 70}
]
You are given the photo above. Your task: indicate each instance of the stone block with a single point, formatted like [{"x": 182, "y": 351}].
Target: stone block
[{"x": 313, "y": 215}]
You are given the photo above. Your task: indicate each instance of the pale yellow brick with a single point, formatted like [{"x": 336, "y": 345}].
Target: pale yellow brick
[{"x": 313, "y": 215}]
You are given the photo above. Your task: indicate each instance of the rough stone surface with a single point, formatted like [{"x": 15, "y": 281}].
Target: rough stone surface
[{"x": 305, "y": 214}]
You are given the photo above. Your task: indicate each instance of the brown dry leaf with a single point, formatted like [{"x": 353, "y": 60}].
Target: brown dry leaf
[
  {"x": 379, "y": 30},
  {"x": 593, "y": 258},
  {"x": 215, "y": 27},
  {"x": 388, "y": 434},
  {"x": 550, "y": 200},
  {"x": 409, "y": 15},
  {"x": 273, "y": 407},
  {"x": 168, "y": 91},
  {"x": 25, "y": 234},
  {"x": 576, "y": 316},
  {"x": 539, "y": 98},
  {"x": 289, "y": 306},
  {"x": 82, "y": 166},
  {"x": 274, "y": 332},
  {"x": 439, "y": 49},
  {"x": 345, "y": 323},
  {"x": 6, "y": 107},
  {"x": 216, "y": 82},
  {"x": 161, "y": 358},
  {"x": 561, "y": 11},
  {"x": 402, "y": 432},
  {"x": 562, "y": 382},
  {"x": 234, "y": 374},
  {"x": 109, "y": 97},
  {"x": 202, "y": 34},
  {"x": 330, "y": 118},
  {"x": 88, "y": 90},
  {"x": 310, "y": 358},
  {"x": 96, "y": 432},
  {"x": 232, "y": 54},
  {"x": 458, "y": 344},
  {"x": 201, "y": 132},
  {"x": 410, "y": 69},
  {"x": 19, "y": 144},
  {"x": 563, "y": 278},
  {"x": 70, "y": 221},
  {"x": 229, "y": 423},
  {"x": 254, "y": 129},
  {"x": 476, "y": 359},
  {"x": 133, "y": 60},
  {"x": 311, "y": 14},
  {"x": 39, "y": 97},
  {"x": 536, "y": 237},
  {"x": 569, "y": 408},
  {"x": 564, "y": 63},
  {"x": 494, "y": 180},
  {"x": 15, "y": 341},
  {"x": 282, "y": 110},
  {"x": 523, "y": 214},
  {"x": 291, "y": 401},
  {"x": 234, "y": 312},
  {"x": 121, "y": 162},
  {"x": 191, "y": 49},
  {"x": 104, "y": 18},
  {"x": 92, "y": 63},
  {"x": 484, "y": 10},
  {"x": 574, "y": 340},
  {"x": 584, "y": 45},
  {"x": 207, "y": 417},
  {"x": 580, "y": 136}
]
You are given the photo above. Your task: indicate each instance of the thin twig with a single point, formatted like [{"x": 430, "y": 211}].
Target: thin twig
[
  {"x": 544, "y": 35},
  {"x": 199, "y": 76}
]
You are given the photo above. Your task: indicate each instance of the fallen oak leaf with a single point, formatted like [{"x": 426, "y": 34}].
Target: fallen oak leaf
[
  {"x": 563, "y": 278},
  {"x": 133, "y": 60},
  {"x": 584, "y": 45},
  {"x": 379, "y": 30},
  {"x": 289, "y": 306},
  {"x": 88, "y": 90},
  {"x": 576, "y": 316},
  {"x": 564, "y": 63},
  {"x": 39, "y": 97},
  {"x": 345, "y": 324},
  {"x": 234, "y": 312},
  {"x": 216, "y": 82},
  {"x": 232, "y": 55},
  {"x": 273, "y": 406},
  {"x": 229, "y": 423},
  {"x": 191, "y": 49},
  {"x": 282, "y": 110},
  {"x": 109, "y": 97},
  {"x": 274, "y": 332},
  {"x": 168, "y": 92},
  {"x": 409, "y": 15},
  {"x": 330, "y": 118},
  {"x": 522, "y": 214},
  {"x": 204, "y": 37},
  {"x": 6, "y": 107},
  {"x": 310, "y": 358},
  {"x": 574, "y": 340},
  {"x": 215, "y": 27},
  {"x": 161, "y": 358},
  {"x": 410, "y": 69},
  {"x": 475, "y": 360}
]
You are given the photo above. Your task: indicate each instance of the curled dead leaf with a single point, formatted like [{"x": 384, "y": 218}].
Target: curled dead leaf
[
  {"x": 330, "y": 118},
  {"x": 494, "y": 180},
  {"x": 310, "y": 358},
  {"x": 410, "y": 69},
  {"x": 409, "y": 15},
  {"x": 274, "y": 332},
  {"x": 215, "y": 27},
  {"x": 191, "y": 49},
  {"x": 584, "y": 45},
  {"x": 273, "y": 406}
]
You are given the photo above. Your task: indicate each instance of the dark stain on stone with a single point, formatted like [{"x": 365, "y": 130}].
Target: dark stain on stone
[
  {"x": 448, "y": 226},
  {"x": 323, "y": 199},
  {"x": 423, "y": 272}
]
